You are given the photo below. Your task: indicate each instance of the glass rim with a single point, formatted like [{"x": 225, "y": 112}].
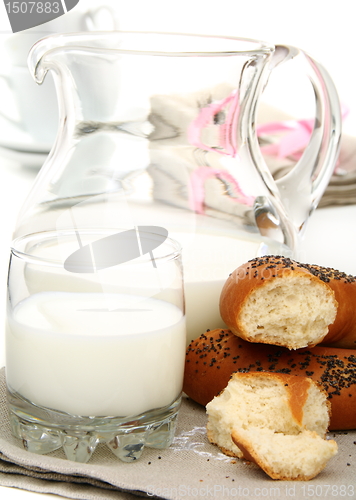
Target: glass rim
[
  {"x": 174, "y": 250},
  {"x": 82, "y": 40}
]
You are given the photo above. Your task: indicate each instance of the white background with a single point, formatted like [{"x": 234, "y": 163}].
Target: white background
[{"x": 323, "y": 28}]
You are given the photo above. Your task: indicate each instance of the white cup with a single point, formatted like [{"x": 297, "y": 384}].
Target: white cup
[
  {"x": 28, "y": 110},
  {"x": 28, "y": 113}
]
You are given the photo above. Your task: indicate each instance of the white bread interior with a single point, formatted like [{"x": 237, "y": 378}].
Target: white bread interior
[
  {"x": 287, "y": 457},
  {"x": 293, "y": 311},
  {"x": 255, "y": 410}
]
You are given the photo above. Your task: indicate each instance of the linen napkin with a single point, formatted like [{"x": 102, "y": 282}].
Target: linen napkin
[
  {"x": 197, "y": 128},
  {"x": 190, "y": 468}
]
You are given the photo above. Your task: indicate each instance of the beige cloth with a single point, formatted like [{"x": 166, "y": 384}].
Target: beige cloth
[
  {"x": 341, "y": 189},
  {"x": 342, "y": 186},
  {"x": 191, "y": 468},
  {"x": 170, "y": 163}
]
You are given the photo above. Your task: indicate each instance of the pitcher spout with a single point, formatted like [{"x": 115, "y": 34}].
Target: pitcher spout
[{"x": 39, "y": 59}]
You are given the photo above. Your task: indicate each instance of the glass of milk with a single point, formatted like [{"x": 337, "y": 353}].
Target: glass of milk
[{"x": 95, "y": 340}]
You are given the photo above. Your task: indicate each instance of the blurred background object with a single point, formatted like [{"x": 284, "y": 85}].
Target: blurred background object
[{"x": 28, "y": 113}]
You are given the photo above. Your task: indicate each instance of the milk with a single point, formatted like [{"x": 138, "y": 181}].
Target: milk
[
  {"x": 208, "y": 260},
  {"x": 95, "y": 354}
]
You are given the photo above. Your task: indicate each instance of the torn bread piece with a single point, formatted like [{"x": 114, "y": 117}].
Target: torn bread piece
[{"x": 276, "y": 420}]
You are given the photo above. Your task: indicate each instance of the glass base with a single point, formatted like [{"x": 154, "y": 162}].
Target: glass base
[{"x": 43, "y": 430}]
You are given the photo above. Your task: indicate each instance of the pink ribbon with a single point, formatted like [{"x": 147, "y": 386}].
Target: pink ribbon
[
  {"x": 294, "y": 141},
  {"x": 197, "y": 185},
  {"x": 227, "y": 145},
  {"x": 227, "y": 131}
]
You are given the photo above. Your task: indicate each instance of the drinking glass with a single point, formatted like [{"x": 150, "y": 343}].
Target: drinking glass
[{"x": 95, "y": 340}]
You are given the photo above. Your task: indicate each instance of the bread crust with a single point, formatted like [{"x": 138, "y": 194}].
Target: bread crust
[
  {"x": 342, "y": 333},
  {"x": 216, "y": 355}
]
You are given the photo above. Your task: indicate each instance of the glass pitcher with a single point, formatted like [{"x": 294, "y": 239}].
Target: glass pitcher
[{"x": 159, "y": 130}]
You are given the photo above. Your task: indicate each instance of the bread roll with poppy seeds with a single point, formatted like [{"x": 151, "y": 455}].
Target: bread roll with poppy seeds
[
  {"x": 275, "y": 300},
  {"x": 216, "y": 355},
  {"x": 276, "y": 420}
]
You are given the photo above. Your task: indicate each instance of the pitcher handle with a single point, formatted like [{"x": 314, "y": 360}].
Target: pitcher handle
[{"x": 302, "y": 187}]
